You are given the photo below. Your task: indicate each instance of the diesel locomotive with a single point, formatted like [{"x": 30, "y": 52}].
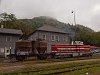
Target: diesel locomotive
[{"x": 38, "y": 48}]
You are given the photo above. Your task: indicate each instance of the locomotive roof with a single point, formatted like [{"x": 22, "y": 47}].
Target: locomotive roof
[{"x": 10, "y": 31}]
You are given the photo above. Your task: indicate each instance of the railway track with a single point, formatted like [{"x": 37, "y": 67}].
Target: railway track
[
  {"x": 74, "y": 69},
  {"x": 59, "y": 70}
]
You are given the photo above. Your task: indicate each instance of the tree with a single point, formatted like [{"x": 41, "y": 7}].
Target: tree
[
  {"x": 88, "y": 38},
  {"x": 8, "y": 20}
]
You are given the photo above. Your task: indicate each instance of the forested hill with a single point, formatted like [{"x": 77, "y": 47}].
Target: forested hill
[{"x": 39, "y": 21}]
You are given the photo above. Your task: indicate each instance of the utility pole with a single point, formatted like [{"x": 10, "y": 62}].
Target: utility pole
[
  {"x": 0, "y": 5},
  {"x": 0, "y": 10},
  {"x": 74, "y": 17}
]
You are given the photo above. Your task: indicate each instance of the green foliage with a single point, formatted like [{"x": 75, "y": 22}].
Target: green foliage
[
  {"x": 79, "y": 28},
  {"x": 87, "y": 35},
  {"x": 7, "y": 20},
  {"x": 88, "y": 38}
]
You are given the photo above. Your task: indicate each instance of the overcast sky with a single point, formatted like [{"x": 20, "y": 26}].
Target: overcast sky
[{"x": 87, "y": 11}]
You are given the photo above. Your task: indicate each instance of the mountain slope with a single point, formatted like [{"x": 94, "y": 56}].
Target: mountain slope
[{"x": 39, "y": 21}]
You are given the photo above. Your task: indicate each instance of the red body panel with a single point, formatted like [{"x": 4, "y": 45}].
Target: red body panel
[{"x": 70, "y": 48}]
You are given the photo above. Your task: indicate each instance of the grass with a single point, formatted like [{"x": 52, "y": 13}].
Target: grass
[
  {"x": 50, "y": 69},
  {"x": 29, "y": 67},
  {"x": 90, "y": 71}
]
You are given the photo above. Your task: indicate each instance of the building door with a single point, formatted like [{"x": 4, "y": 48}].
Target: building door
[{"x": 7, "y": 51}]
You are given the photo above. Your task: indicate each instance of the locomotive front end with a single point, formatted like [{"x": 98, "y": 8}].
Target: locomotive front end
[{"x": 23, "y": 49}]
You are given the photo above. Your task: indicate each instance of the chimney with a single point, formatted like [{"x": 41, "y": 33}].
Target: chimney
[{"x": 2, "y": 26}]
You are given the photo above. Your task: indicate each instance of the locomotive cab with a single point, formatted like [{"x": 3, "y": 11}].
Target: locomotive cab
[{"x": 26, "y": 48}]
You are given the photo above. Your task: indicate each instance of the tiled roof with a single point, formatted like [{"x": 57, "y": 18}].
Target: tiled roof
[
  {"x": 11, "y": 31},
  {"x": 50, "y": 29}
]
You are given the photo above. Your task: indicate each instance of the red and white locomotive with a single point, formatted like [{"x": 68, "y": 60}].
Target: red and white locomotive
[
  {"x": 38, "y": 48},
  {"x": 73, "y": 50},
  {"x": 70, "y": 50}
]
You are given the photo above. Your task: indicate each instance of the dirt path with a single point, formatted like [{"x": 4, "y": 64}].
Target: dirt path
[{"x": 10, "y": 68}]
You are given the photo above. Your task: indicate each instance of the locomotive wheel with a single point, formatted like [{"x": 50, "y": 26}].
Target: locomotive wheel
[
  {"x": 53, "y": 55},
  {"x": 20, "y": 57},
  {"x": 71, "y": 55},
  {"x": 42, "y": 56}
]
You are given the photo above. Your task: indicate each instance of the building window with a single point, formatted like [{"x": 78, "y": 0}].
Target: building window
[
  {"x": 2, "y": 50},
  {"x": 8, "y": 38},
  {"x": 52, "y": 38},
  {"x": 64, "y": 38},
  {"x": 56, "y": 38},
  {"x": 44, "y": 37}
]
